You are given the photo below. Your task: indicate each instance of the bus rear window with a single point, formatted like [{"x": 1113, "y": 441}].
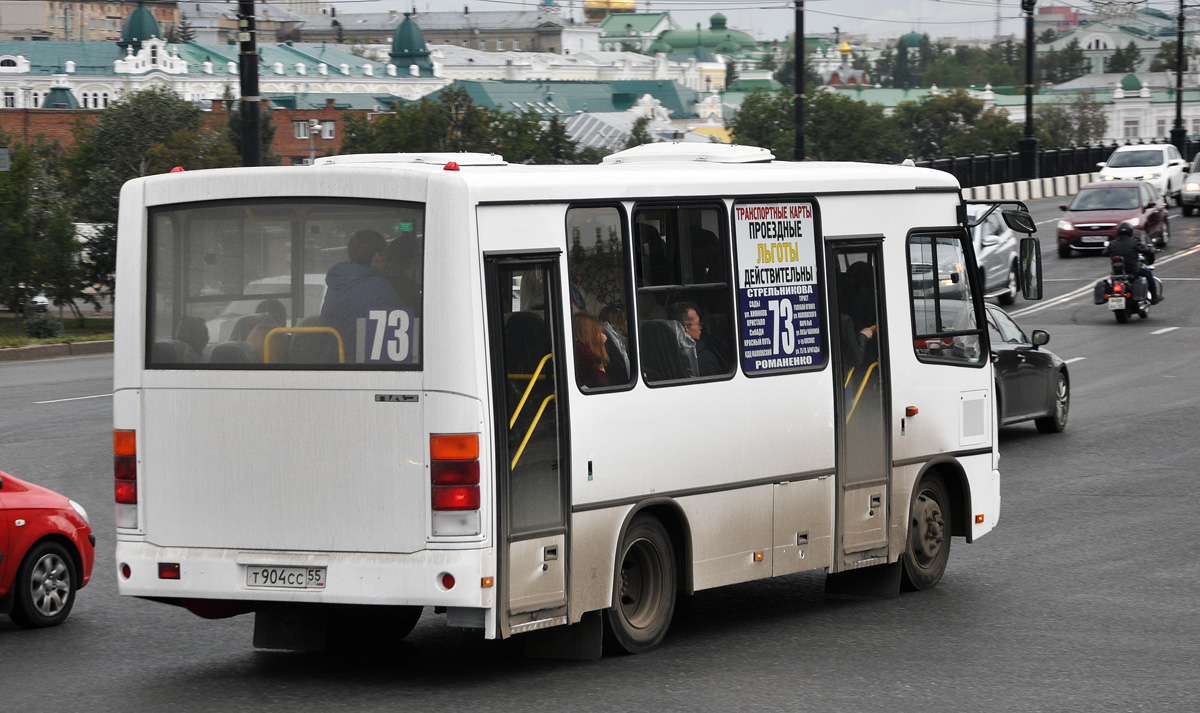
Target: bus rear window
[{"x": 286, "y": 284}]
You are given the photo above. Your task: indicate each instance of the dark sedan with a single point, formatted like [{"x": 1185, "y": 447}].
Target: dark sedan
[
  {"x": 1098, "y": 208},
  {"x": 1031, "y": 383}
]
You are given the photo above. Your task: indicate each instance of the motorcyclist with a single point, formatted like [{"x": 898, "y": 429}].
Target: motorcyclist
[{"x": 1130, "y": 245}]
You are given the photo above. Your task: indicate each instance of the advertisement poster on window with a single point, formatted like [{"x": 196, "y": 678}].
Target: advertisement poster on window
[{"x": 778, "y": 295}]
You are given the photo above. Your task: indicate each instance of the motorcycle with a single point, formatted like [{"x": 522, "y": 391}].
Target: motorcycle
[{"x": 1126, "y": 294}]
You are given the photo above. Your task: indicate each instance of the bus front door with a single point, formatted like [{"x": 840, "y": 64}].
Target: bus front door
[
  {"x": 532, "y": 473},
  {"x": 862, "y": 388}
]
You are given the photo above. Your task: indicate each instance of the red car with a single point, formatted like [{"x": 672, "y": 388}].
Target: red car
[
  {"x": 46, "y": 553},
  {"x": 1098, "y": 208}
]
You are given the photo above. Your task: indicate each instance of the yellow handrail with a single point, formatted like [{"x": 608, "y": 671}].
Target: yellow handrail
[
  {"x": 861, "y": 386},
  {"x": 303, "y": 330},
  {"x": 521, "y": 404},
  {"x": 537, "y": 417}
]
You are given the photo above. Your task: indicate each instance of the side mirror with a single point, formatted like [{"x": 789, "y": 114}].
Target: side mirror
[
  {"x": 1151, "y": 204},
  {"x": 1019, "y": 221},
  {"x": 1040, "y": 337},
  {"x": 1062, "y": 207},
  {"x": 1102, "y": 164},
  {"x": 1031, "y": 269}
]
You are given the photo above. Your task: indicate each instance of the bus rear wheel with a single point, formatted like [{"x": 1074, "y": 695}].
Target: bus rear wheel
[
  {"x": 643, "y": 590},
  {"x": 928, "y": 548}
]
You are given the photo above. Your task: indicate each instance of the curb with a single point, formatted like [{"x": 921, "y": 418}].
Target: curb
[
  {"x": 51, "y": 351},
  {"x": 1031, "y": 189}
]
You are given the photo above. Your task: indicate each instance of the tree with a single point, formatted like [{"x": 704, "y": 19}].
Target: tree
[
  {"x": 1070, "y": 63},
  {"x": 1048, "y": 35},
  {"x": 934, "y": 126},
  {"x": 838, "y": 127},
  {"x": 266, "y": 130},
  {"x": 1080, "y": 121},
  {"x": 768, "y": 62},
  {"x": 731, "y": 72},
  {"x": 16, "y": 232},
  {"x": 1126, "y": 60},
  {"x": 639, "y": 134},
  {"x": 132, "y": 138},
  {"x": 766, "y": 120},
  {"x": 1164, "y": 59}
]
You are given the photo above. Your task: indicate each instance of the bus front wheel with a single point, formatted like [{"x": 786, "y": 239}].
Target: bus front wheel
[
  {"x": 929, "y": 522},
  {"x": 643, "y": 590}
]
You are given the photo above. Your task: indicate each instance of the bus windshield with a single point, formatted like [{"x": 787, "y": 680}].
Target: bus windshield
[{"x": 286, "y": 284}]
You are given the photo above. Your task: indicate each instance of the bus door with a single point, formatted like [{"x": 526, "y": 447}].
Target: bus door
[
  {"x": 862, "y": 388},
  {"x": 532, "y": 471}
]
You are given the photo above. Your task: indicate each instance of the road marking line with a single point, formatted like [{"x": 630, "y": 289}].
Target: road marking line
[
  {"x": 1087, "y": 288},
  {"x": 77, "y": 398},
  {"x": 1164, "y": 330},
  {"x": 1072, "y": 361}
]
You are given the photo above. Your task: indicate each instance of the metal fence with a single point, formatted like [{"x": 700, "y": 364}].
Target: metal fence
[{"x": 988, "y": 169}]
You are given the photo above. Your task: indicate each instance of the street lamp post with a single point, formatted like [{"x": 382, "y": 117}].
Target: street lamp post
[
  {"x": 1027, "y": 147},
  {"x": 251, "y": 101},
  {"x": 1178, "y": 133},
  {"x": 798, "y": 80}
]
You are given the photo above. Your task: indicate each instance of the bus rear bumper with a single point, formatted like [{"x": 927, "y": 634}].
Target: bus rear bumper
[{"x": 416, "y": 579}]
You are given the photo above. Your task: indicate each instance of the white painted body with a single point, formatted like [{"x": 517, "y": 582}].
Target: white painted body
[{"x": 237, "y": 468}]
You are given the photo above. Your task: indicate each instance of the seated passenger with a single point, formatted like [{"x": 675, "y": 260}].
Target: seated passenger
[
  {"x": 591, "y": 357},
  {"x": 707, "y": 363},
  {"x": 193, "y": 332},
  {"x": 357, "y": 287}
]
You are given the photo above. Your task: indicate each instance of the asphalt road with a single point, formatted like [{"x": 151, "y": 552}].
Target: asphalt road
[{"x": 1084, "y": 598}]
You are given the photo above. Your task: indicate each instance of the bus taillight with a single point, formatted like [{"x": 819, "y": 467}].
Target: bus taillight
[
  {"x": 125, "y": 477},
  {"x": 454, "y": 477}
]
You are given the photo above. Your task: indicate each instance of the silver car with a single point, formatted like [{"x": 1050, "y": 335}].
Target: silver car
[
  {"x": 1190, "y": 198},
  {"x": 997, "y": 251}
]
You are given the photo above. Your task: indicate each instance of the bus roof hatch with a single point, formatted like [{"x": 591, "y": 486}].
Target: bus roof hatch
[{"x": 675, "y": 151}]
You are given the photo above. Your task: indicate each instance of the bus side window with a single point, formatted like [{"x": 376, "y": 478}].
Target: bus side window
[
  {"x": 944, "y": 322},
  {"x": 600, "y": 295},
  {"x": 684, "y": 293}
]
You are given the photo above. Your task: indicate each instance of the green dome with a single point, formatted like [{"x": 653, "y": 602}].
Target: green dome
[
  {"x": 141, "y": 25},
  {"x": 717, "y": 38},
  {"x": 1130, "y": 83},
  {"x": 409, "y": 48},
  {"x": 60, "y": 98},
  {"x": 912, "y": 39}
]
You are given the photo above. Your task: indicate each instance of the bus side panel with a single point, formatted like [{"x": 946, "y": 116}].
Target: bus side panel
[
  {"x": 737, "y": 527},
  {"x": 594, "y": 536},
  {"x": 130, "y": 310}
]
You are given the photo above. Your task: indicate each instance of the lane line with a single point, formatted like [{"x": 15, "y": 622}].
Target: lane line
[
  {"x": 77, "y": 398},
  {"x": 1072, "y": 361},
  {"x": 1164, "y": 330},
  {"x": 1088, "y": 288}
]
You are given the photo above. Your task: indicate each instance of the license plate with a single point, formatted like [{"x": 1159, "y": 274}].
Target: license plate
[
  {"x": 285, "y": 577},
  {"x": 1116, "y": 303},
  {"x": 1092, "y": 239}
]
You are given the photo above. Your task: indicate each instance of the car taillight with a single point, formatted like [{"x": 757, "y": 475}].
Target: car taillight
[
  {"x": 454, "y": 480},
  {"x": 125, "y": 477}
]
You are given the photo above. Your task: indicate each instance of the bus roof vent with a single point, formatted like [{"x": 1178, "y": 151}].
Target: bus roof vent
[
  {"x": 432, "y": 159},
  {"x": 675, "y": 151}
]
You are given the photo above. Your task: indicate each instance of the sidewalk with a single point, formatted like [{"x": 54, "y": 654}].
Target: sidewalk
[{"x": 50, "y": 351}]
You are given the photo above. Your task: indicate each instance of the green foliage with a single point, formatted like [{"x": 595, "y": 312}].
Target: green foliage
[
  {"x": 1126, "y": 60},
  {"x": 766, "y": 120},
  {"x": 16, "y": 228},
  {"x": 840, "y": 128},
  {"x": 1164, "y": 59},
  {"x": 266, "y": 129},
  {"x": 42, "y": 325},
  {"x": 939, "y": 125},
  {"x": 453, "y": 122},
  {"x": 731, "y": 72},
  {"x": 1048, "y": 35},
  {"x": 1057, "y": 67},
  {"x": 1079, "y": 121},
  {"x": 639, "y": 134}
]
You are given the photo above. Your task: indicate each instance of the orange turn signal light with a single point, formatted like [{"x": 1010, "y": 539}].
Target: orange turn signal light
[
  {"x": 125, "y": 443},
  {"x": 758, "y": 557},
  {"x": 910, "y": 411},
  {"x": 979, "y": 519},
  {"x": 454, "y": 446},
  {"x": 487, "y": 582}
]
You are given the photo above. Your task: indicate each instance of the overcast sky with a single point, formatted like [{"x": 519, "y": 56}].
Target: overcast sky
[{"x": 765, "y": 19}]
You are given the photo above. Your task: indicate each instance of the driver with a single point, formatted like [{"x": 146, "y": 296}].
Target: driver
[{"x": 1129, "y": 244}]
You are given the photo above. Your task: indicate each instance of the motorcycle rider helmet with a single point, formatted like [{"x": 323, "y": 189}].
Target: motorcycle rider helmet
[{"x": 1125, "y": 228}]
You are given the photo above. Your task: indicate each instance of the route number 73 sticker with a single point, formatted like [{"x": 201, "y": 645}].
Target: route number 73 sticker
[{"x": 388, "y": 335}]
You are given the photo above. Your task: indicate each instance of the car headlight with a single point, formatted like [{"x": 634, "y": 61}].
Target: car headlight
[
  {"x": 1108, "y": 178},
  {"x": 1192, "y": 187},
  {"x": 1135, "y": 222},
  {"x": 1151, "y": 176},
  {"x": 79, "y": 509},
  {"x": 1065, "y": 225}
]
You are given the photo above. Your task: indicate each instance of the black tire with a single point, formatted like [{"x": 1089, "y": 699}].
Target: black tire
[
  {"x": 1187, "y": 210},
  {"x": 1011, "y": 288},
  {"x": 928, "y": 548},
  {"x": 44, "y": 590},
  {"x": 643, "y": 589},
  {"x": 1122, "y": 315},
  {"x": 1064, "y": 252},
  {"x": 1057, "y": 423}
]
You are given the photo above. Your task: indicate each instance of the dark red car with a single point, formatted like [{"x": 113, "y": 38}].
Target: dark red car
[
  {"x": 46, "y": 553},
  {"x": 1098, "y": 208}
]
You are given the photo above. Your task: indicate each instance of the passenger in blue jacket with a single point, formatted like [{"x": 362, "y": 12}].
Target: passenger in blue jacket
[{"x": 356, "y": 287}]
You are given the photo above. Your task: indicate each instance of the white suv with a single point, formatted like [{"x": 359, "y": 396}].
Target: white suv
[{"x": 1160, "y": 165}]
